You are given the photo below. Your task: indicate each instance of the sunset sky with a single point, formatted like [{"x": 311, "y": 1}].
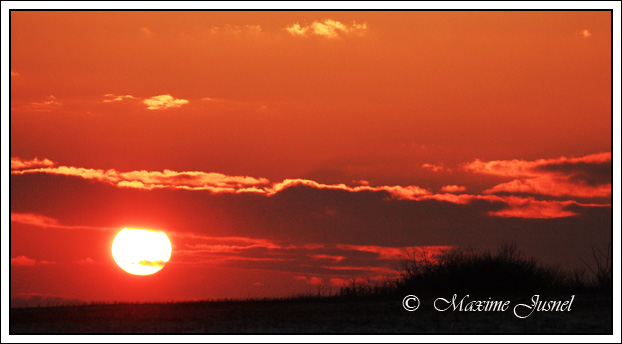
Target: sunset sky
[{"x": 284, "y": 150}]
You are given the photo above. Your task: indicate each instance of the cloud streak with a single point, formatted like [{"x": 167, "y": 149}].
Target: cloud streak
[
  {"x": 48, "y": 104},
  {"x": 189, "y": 180},
  {"x": 587, "y": 177},
  {"x": 47, "y": 222},
  {"x": 396, "y": 191},
  {"x": 553, "y": 177},
  {"x": 338, "y": 260}
]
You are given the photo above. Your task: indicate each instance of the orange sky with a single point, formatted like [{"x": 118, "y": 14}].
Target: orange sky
[{"x": 266, "y": 133}]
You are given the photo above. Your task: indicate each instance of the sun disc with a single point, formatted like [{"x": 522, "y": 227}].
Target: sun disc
[{"x": 141, "y": 251}]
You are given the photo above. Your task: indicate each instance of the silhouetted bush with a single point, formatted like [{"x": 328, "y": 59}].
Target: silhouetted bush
[{"x": 464, "y": 271}]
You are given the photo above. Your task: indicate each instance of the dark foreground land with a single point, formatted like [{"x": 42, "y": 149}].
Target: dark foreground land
[{"x": 590, "y": 313}]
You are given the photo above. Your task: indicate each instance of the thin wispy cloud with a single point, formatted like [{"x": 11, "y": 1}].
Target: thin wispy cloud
[
  {"x": 48, "y": 104},
  {"x": 515, "y": 206},
  {"x": 535, "y": 209},
  {"x": 43, "y": 221},
  {"x": 236, "y": 30}
]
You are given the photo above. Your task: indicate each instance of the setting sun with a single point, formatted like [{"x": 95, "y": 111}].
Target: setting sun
[{"x": 141, "y": 251}]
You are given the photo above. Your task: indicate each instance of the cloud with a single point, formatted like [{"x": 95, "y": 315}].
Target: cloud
[
  {"x": 161, "y": 102},
  {"x": 18, "y": 163},
  {"x": 46, "y": 222},
  {"x": 210, "y": 181},
  {"x": 85, "y": 173},
  {"x": 565, "y": 183},
  {"x": 164, "y": 101},
  {"x": 529, "y": 208},
  {"x": 47, "y": 104},
  {"x": 109, "y": 98},
  {"x": 33, "y": 219},
  {"x": 189, "y": 180},
  {"x": 211, "y": 244},
  {"x": 214, "y": 100},
  {"x": 526, "y": 168},
  {"x": 236, "y": 30},
  {"x": 435, "y": 168},
  {"x": 246, "y": 252},
  {"x": 513, "y": 206},
  {"x": 396, "y": 191},
  {"x": 25, "y": 261},
  {"x": 192, "y": 179},
  {"x": 551, "y": 186},
  {"x": 328, "y": 28},
  {"x": 453, "y": 188},
  {"x": 328, "y": 257},
  {"x": 22, "y": 261},
  {"x": 255, "y": 29},
  {"x": 588, "y": 176},
  {"x": 296, "y": 30},
  {"x": 395, "y": 253},
  {"x": 159, "y": 263}
]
